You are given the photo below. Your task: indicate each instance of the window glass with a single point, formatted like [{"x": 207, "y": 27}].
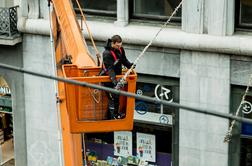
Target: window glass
[
  {"x": 241, "y": 143},
  {"x": 246, "y": 110},
  {"x": 164, "y": 92},
  {"x": 246, "y": 152},
  {"x": 246, "y": 133},
  {"x": 159, "y": 9},
  {"x": 245, "y": 12},
  {"x": 97, "y": 6}
]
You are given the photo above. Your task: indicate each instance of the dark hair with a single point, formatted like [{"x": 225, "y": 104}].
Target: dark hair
[{"x": 116, "y": 38}]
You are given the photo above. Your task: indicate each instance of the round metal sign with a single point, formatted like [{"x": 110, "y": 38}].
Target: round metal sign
[{"x": 246, "y": 107}]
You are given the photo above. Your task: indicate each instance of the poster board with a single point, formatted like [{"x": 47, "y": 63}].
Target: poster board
[
  {"x": 146, "y": 147},
  {"x": 123, "y": 143}
]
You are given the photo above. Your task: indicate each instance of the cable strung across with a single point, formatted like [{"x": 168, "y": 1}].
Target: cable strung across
[{"x": 123, "y": 93}]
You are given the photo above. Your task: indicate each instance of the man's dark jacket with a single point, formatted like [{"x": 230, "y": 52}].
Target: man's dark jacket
[{"x": 109, "y": 62}]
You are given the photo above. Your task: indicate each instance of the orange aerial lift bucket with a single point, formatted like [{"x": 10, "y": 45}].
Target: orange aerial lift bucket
[{"x": 87, "y": 107}]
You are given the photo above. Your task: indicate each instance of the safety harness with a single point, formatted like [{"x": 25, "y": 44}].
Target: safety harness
[{"x": 104, "y": 69}]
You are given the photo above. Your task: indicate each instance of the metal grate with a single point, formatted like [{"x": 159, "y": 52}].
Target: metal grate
[{"x": 8, "y": 21}]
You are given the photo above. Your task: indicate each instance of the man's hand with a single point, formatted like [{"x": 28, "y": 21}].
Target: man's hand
[{"x": 120, "y": 84}]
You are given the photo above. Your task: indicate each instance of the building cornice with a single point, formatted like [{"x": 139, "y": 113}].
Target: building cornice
[{"x": 237, "y": 44}]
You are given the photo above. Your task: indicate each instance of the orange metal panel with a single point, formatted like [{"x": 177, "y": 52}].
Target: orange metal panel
[
  {"x": 71, "y": 33},
  {"x": 71, "y": 142},
  {"x": 88, "y": 115}
]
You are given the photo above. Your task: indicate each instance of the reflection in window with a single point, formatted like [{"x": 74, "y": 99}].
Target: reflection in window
[
  {"x": 241, "y": 144},
  {"x": 246, "y": 133},
  {"x": 245, "y": 18},
  {"x": 246, "y": 109},
  {"x": 164, "y": 92},
  {"x": 97, "y": 6},
  {"x": 246, "y": 152},
  {"x": 159, "y": 9}
]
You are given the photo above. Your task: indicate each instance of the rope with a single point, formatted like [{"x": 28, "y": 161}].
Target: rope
[
  {"x": 122, "y": 81},
  {"x": 229, "y": 133},
  {"x": 98, "y": 55},
  {"x": 95, "y": 93}
]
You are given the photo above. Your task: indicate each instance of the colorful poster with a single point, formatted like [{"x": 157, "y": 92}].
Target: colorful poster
[
  {"x": 4, "y": 88},
  {"x": 123, "y": 143},
  {"x": 146, "y": 147}
]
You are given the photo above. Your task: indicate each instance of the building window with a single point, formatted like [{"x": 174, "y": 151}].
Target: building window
[
  {"x": 163, "y": 142},
  {"x": 165, "y": 88},
  {"x": 160, "y": 91},
  {"x": 97, "y": 7},
  {"x": 155, "y": 9},
  {"x": 246, "y": 152},
  {"x": 6, "y": 124},
  {"x": 241, "y": 144},
  {"x": 246, "y": 133},
  {"x": 243, "y": 13}
]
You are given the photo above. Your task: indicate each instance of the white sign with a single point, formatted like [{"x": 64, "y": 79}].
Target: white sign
[
  {"x": 163, "y": 93},
  {"x": 152, "y": 117},
  {"x": 146, "y": 147},
  {"x": 123, "y": 143},
  {"x": 246, "y": 107}
]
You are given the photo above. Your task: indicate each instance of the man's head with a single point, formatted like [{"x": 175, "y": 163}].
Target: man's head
[{"x": 116, "y": 41}]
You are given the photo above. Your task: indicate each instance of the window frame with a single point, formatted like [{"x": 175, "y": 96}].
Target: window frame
[
  {"x": 162, "y": 81},
  {"x": 238, "y": 17},
  {"x": 150, "y": 17},
  {"x": 235, "y": 145},
  {"x": 96, "y": 12}
]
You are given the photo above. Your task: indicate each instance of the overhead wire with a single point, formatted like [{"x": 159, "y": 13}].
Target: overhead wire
[{"x": 123, "y": 93}]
